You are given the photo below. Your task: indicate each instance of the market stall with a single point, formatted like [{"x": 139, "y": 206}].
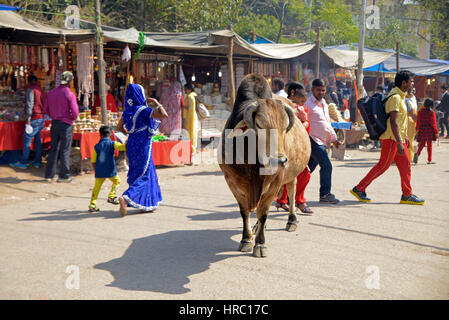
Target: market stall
[
  {"x": 31, "y": 48},
  {"x": 172, "y": 152}
]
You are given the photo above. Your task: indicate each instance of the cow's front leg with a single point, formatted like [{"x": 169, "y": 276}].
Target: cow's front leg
[
  {"x": 247, "y": 236},
  {"x": 260, "y": 249},
  {"x": 292, "y": 223}
]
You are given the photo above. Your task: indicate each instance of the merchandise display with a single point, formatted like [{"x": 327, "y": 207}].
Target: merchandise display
[
  {"x": 12, "y": 105},
  {"x": 92, "y": 123}
]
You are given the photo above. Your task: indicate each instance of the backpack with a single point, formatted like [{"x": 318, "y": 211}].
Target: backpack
[{"x": 373, "y": 113}]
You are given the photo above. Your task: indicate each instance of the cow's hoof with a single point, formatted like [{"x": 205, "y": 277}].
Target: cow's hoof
[
  {"x": 291, "y": 226},
  {"x": 260, "y": 251},
  {"x": 245, "y": 246}
]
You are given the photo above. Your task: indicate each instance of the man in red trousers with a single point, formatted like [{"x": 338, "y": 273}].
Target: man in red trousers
[{"x": 394, "y": 143}]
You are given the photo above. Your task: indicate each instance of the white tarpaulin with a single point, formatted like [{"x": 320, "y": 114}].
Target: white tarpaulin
[
  {"x": 15, "y": 21},
  {"x": 130, "y": 35},
  {"x": 348, "y": 58},
  {"x": 344, "y": 54}
]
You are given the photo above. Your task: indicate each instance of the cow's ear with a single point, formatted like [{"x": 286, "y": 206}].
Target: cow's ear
[{"x": 240, "y": 129}]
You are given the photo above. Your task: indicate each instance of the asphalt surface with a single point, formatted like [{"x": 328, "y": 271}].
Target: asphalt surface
[{"x": 52, "y": 248}]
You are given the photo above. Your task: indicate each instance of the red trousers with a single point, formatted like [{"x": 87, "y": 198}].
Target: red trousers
[
  {"x": 429, "y": 149},
  {"x": 302, "y": 180},
  {"x": 388, "y": 154}
]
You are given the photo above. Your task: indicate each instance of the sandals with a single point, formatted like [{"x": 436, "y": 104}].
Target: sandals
[
  {"x": 113, "y": 200},
  {"x": 93, "y": 208},
  {"x": 282, "y": 206},
  {"x": 306, "y": 209}
]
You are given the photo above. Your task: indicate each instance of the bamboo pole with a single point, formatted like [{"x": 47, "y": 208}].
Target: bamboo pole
[
  {"x": 231, "y": 73},
  {"x": 101, "y": 72}
]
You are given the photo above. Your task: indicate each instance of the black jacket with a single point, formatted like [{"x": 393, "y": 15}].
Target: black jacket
[{"x": 444, "y": 104}]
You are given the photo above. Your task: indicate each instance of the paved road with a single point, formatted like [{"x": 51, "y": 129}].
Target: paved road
[{"x": 51, "y": 248}]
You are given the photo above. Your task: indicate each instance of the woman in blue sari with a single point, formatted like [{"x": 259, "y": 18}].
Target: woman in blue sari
[{"x": 140, "y": 121}]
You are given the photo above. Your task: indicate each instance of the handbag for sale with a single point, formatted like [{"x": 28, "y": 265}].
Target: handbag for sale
[{"x": 201, "y": 110}]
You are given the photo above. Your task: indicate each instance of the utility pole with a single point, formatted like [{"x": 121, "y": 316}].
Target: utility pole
[
  {"x": 100, "y": 60},
  {"x": 143, "y": 8},
  {"x": 397, "y": 57},
  {"x": 309, "y": 5},
  {"x": 317, "y": 68},
  {"x": 361, "y": 47}
]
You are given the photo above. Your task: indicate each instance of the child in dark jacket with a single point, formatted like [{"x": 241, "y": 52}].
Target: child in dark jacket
[
  {"x": 104, "y": 164},
  {"x": 427, "y": 130}
]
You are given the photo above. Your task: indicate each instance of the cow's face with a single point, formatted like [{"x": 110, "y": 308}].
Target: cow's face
[{"x": 270, "y": 119}]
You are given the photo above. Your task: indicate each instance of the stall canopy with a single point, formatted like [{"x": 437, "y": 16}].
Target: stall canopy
[
  {"x": 445, "y": 73},
  {"x": 217, "y": 42},
  {"x": 385, "y": 59},
  {"x": 17, "y": 28},
  {"x": 416, "y": 66},
  {"x": 347, "y": 56},
  {"x": 210, "y": 42}
]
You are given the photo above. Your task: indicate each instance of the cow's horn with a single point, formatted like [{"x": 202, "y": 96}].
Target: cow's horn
[
  {"x": 248, "y": 114},
  {"x": 291, "y": 116}
]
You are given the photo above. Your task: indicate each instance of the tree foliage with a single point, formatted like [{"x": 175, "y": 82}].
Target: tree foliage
[
  {"x": 297, "y": 20},
  {"x": 439, "y": 26},
  {"x": 147, "y": 15},
  {"x": 283, "y": 21}
]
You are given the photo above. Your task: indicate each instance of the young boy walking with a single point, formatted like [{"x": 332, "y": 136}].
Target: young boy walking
[
  {"x": 104, "y": 165},
  {"x": 427, "y": 130}
]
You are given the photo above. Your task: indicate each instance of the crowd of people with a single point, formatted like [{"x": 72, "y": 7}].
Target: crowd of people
[
  {"x": 406, "y": 122},
  {"x": 143, "y": 116}
]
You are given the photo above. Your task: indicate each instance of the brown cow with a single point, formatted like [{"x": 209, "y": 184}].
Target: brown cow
[{"x": 255, "y": 179}]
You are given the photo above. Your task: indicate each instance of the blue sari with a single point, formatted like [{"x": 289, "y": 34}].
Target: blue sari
[{"x": 144, "y": 191}]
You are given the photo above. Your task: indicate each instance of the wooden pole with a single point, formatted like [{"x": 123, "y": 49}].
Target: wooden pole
[
  {"x": 361, "y": 48},
  {"x": 101, "y": 71},
  {"x": 317, "y": 69},
  {"x": 231, "y": 73}
]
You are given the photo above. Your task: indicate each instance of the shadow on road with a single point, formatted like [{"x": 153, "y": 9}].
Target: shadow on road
[
  {"x": 16, "y": 180},
  {"x": 204, "y": 173},
  {"x": 380, "y": 236},
  {"x": 234, "y": 204},
  {"x": 216, "y": 216},
  {"x": 75, "y": 215},
  {"x": 164, "y": 262},
  {"x": 351, "y": 164}
]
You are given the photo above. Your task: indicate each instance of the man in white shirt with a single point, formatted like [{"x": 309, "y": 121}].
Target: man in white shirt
[
  {"x": 322, "y": 135},
  {"x": 278, "y": 87}
]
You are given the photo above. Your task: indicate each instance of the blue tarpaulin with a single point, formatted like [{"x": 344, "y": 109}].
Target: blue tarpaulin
[
  {"x": 375, "y": 68},
  {"x": 4, "y": 7}
]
